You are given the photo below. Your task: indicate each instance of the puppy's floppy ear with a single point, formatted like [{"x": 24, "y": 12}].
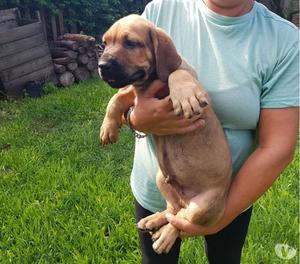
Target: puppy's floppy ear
[{"x": 166, "y": 57}]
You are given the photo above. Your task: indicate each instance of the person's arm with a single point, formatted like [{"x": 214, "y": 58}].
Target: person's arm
[{"x": 278, "y": 130}]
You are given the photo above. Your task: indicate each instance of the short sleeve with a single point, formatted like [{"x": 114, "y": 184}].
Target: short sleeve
[
  {"x": 282, "y": 87},
  {"x": 146, "y": 13},
  {"x": 151, "y": 11}
]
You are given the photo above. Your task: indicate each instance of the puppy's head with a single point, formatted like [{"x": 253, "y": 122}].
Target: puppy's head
[{"x": 135, "y": 50}]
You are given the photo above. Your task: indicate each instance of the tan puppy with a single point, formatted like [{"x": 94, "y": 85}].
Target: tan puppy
[{"x": 195, "y": 168}]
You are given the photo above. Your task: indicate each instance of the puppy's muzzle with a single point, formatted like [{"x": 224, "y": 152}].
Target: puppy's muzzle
[{"x": 115, "y": 75}]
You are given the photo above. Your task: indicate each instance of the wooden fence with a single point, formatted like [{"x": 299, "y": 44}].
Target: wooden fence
[{"x": 24, "y": 57}]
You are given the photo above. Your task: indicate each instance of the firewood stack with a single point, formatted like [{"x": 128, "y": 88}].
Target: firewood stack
[{"x": 75, "y": 58}]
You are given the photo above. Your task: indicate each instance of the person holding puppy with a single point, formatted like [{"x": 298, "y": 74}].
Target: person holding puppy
[{"x": 246, "y": 57}]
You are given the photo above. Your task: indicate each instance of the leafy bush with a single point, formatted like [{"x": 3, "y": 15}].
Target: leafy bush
[{"x": 91, "y": 16}]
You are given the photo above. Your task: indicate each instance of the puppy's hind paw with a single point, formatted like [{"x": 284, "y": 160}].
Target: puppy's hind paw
[{"x": 164, "y": 239}]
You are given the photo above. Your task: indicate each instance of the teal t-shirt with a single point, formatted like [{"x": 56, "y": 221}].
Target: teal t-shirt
[{"x": 245, "y": 63}]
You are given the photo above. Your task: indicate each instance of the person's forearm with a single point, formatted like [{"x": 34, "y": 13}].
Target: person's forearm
[
  {"x": 257, "y": 174},
  {"x": 254, "y": 178}
]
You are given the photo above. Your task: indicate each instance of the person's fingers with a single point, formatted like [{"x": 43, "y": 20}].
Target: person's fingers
[
  {"x": 180, "y": 126},
  {"x": 179, "y": 223},
  {"x": 200, "y": 123},
  {"x": 195, "y": 118},
  {"x": 154, "y": 87},
  {"x": 166, "y": 103}
]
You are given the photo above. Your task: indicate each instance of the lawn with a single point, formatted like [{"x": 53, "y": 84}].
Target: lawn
[{"x": 66, "y": 199}]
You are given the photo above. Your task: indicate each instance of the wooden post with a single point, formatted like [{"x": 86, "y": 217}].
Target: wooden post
[
  {"x": 38, "y": 15},
  {"x": 54, "y": 28},
  {"x": 19, "y": 17},
  {"x": 61, "y": 23},
  {"x": 27, "y": 13},
  {"x": 41, "y": 17}
]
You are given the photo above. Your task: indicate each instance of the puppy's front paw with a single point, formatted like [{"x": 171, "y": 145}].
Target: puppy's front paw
[
  {"x": 152, "y": 222},
  {"x": 188, "y": 97},
  {"x": 109, "y": 132}
]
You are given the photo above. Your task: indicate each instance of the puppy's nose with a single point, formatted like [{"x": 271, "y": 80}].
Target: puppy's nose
[{"x": 105, "y": 65}]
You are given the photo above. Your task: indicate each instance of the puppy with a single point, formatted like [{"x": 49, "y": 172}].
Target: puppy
[{"x": 195, "y": 168}]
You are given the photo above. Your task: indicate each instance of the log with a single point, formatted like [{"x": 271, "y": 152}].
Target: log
[
  {"x": 81, "y": 50},
  {"x": 91, "y": 53},
  {"x": 92, "y": 65},
  {"x": 81, "y": 74},
  {"x": 73, "y": 45},
  {"x": 66, "y": 79},
  {"x": 72, "y": 66},
  {"x": 53, "y": 48},
  {"x": 78, "y": 37},
  {"x": 63, "y": 61},
  {"x": 59, "y": 53},
  {"x": 83, "y": 59},
  {"x": 59, "y": 69},
  {"x": 85, "y": 44}
]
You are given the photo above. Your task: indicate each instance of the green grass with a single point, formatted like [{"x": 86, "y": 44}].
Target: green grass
[{"x": 66, "y": 199}]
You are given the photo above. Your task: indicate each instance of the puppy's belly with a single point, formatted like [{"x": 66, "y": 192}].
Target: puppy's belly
[{"x": 195, "y": 162}]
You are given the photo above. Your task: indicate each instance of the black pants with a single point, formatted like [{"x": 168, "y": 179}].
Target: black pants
[{"x": 224, "y": 247}]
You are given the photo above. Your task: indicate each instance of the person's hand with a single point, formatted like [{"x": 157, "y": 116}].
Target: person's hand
[
  {"x": 188, "y": 230},
  {"x": 156, "y": 116}
]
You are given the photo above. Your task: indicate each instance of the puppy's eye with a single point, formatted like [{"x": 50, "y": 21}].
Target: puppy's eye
[{"x": 130, "y": 44}]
